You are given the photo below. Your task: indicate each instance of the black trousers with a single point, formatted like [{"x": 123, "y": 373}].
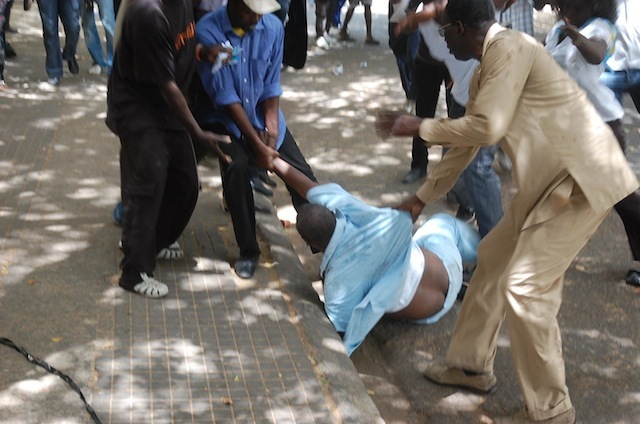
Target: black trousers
[
  {"x": 237, "y": 189},
  {"x": 159, "y": 183},
  {"x": 428, "y": 76},
  {"x": 628, "y": 208}
]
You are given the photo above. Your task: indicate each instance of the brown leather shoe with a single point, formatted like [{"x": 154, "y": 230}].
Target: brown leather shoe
[
  {"x": 567, "y": 417},
  {"x": 441, "y": 373}
]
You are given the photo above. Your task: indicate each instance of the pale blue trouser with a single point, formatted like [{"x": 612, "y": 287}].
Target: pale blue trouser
[{"x": 456, "y": 243}]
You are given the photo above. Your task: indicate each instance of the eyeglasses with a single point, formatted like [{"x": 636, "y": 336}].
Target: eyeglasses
[{"x": 442, "y": 28}]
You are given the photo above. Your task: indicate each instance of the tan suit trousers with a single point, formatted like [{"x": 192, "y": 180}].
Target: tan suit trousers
[{"x": 520, "y": 274}]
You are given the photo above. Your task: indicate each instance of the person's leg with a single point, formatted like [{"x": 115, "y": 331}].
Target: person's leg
[
  {"x": 398, "y": 45},
  {"x": 70, "y": 17},
  {"x": 143, "y": 172},
  {"x": 290, "y": 153},
  {"x": 481, "y": 183},
  {"x": 344, "y": 35},
  {"x": 628, "y": 208},
  {"x": 321, "y": 17},
  {"x": 6, "y": 25},
  {"x": 485, "y": 192},
  {"x": 107, "y": 17},
  {"x": 520, "y": 276},
  {"x": 337, "y": 13},
  {"x": 621, "y": 82},
  {"x": 629, "y": 211},
  {"x": 3, "y": 85},
  {"x": 239, "y": 196},
  {"x": 368, "y": 23},
  {"x": 91, "y": 36},
  {"x": 633, "y": 79},
  {"x": 428, "y": 77},
  {"x": 535, "y": 291},
  {"x": 180, "y": 191},
  {"x": 48, "y": 10},
  {"x": 331, "y": 10},
  {"x": 413, "y": 44}
]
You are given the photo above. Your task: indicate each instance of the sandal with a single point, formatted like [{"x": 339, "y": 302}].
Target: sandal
[
  {"x": 171, "y": 252},
  {"x": 150, "y": 287},
  {"x": 343, "y": 36}
]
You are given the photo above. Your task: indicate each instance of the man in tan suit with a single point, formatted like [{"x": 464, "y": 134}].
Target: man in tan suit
[{"x": 569, "y": 171}]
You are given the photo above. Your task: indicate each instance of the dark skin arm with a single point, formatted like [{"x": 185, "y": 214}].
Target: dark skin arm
[
  {"x": 594, "y": 50},
  {"x": 264, "y": 154},
  {"x": 176, "y": 101},
  {"x": 271, "y": 108},
  {"x": 293, "y": 177},
  {"x": 398, "y": 124},
  {"x": 431, "y": 10}
]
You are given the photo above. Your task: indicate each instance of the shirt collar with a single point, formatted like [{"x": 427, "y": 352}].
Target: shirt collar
[{"x": 227, "y": 28}]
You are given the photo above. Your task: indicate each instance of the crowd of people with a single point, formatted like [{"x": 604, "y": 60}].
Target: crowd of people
[
  {"x": 73, "y": 14},
  {"x": 190, "y": 80}
]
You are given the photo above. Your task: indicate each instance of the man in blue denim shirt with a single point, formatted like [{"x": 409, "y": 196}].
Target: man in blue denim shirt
[{"x": 243, "y": 102}]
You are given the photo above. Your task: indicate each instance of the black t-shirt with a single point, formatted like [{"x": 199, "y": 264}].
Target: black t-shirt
[{"x": 157, "y": 45}]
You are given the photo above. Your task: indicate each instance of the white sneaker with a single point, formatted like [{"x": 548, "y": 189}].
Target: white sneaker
[
  {"x": 330, "y": 39},
  {"x": 95, "y": 69},
  {"x": 322, "y": 43},
  {"x": 150, "y": 287}
]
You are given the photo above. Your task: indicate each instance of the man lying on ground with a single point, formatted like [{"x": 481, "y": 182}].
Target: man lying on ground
[{"x": 372, "y": 265}]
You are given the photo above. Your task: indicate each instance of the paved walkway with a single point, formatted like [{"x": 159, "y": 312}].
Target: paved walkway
[{"x": 216, "y": 349}]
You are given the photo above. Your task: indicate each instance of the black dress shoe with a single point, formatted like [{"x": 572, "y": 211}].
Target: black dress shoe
[
  {"x": 265, "y": 178},
  {"x": 74, "y": 68},
  {"x": 9, "y": 51},
  {"x": 633, "y": 278},
  {"x": 257, "y": 185},
  {"x": 245, "y": 267},
  {"x": 463, "y": 290},
  {"x": 414, "y": 175},
  {"x": 465, "y": 214}
]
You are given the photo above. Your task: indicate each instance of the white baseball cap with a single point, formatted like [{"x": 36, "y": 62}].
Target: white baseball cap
[{"x": 262, "y": 7}]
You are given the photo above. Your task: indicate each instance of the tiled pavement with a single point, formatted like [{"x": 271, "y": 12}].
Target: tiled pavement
[{"x": 216, "y": 349}]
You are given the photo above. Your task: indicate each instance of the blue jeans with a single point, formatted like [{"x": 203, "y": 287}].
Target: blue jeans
[
  {"x": 3, "y": 17},
  {"x": 405, "y": 49},
  {"x": 67, "y": 10},
  {"x": 479, "y": 185},
  {"x": 624, "y": 82},
  {"x": 91, "y": 35}
]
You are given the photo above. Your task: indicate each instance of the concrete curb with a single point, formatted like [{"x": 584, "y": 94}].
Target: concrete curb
[{"x": 340, "y": 379}]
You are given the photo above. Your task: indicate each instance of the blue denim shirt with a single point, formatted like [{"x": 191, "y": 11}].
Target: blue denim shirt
[
  {"x": 365, "y": 263},
  {"x": 252, "y": 80}
]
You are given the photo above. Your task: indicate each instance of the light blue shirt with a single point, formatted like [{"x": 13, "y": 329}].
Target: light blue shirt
[
  {"x": 252, "y": 80},
  {"x": 365, "y": 264}
]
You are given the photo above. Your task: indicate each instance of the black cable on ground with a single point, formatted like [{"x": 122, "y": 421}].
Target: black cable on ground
[{"x": 54, "y": 371}]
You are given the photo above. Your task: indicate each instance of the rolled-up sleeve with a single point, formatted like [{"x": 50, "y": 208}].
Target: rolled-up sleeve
[{"x": 272, "y": 87}]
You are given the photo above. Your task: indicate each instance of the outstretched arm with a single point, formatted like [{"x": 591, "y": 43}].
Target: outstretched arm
[{"x": 293, "y": 177}]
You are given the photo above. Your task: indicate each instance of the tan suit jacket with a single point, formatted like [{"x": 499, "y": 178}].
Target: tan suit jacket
[{"x": 546, "y": 125}]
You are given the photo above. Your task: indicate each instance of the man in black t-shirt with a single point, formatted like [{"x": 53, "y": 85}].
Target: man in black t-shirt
[{"x": 147, "y": 108}]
